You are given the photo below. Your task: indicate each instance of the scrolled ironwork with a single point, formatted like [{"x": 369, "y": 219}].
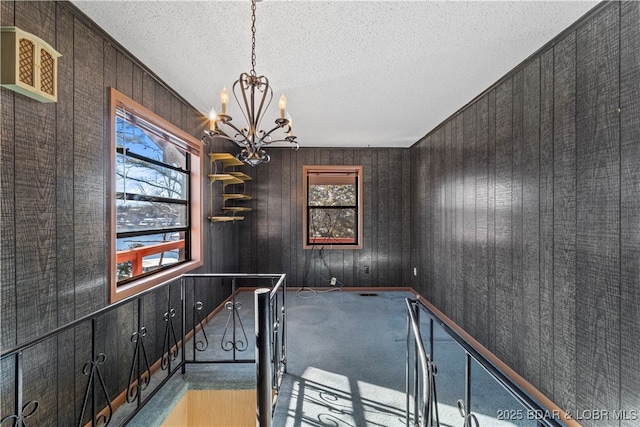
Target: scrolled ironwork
[
  {"x": 234, "y": 343},
  {"x": 469, "y": 419},
  {"x": 92, "y": 369},
  {"x": 28, "y": 410},
  {"x": 199, "y": 343},
  {"x": 169, "y": 352},
  {"x": 141, "y": 382}
]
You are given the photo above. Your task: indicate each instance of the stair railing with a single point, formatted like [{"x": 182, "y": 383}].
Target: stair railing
[
  {"x": 420, "y": 374},
  {"x": 271, "y": 361}
]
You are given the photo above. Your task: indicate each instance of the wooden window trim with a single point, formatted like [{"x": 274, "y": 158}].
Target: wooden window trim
[
  {"x": 195, "y": 148},
  {"x": 306, "y": 169}
]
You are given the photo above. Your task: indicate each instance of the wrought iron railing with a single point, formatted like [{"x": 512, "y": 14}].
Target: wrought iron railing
[
  {"x": 172, "y": 313},
  {"x": 271, "y": 360},
  {"x": 518, "y": 405},
  {"x": 420, "y": 373}
]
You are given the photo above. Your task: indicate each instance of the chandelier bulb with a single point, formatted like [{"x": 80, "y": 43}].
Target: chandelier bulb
[
  {"x": 224, "y": 99},
  {"x": 283, "y": 105},
  {"x": 212, "y": 119}
]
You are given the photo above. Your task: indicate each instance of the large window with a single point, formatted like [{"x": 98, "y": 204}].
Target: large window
[
  {"x": 156, "y": 195},
  {"x": 333, "y": 207}
]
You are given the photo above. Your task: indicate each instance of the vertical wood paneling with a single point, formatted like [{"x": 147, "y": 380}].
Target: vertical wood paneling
[
  {"x": 369, "y": 218},
  {"x": 260, "y": 216},
  {"x": 546, "y": 223},
  {"x": 35, "y": 191},
  {"x": 149, "y": 97},
  {"x": 384, "y": 212},
  {"x": 440, "y": 155},
  {"x": 630, "y": 206},
  {"x": 7, "y": 203},
  {"x": 307, "y": 268},
  {"x": 65, "y": 214},
  {"x": 456, "y": 209},
  {"x": 564, "y": 223},
  {"x": 64, "y": 169},
  {"x": 418, "y": 192},
  {"x": 480, "y": 307},
  {"x": 55, "y": 176},
  {"x": 561, "y": 261},
  {"x": 285, "y": 203},
  {"x": 531, "y": 222},
  {"x": 598, "y": 204},
  {"x": 444, "y": 182},
  {"x": 518, "y": 330},
  {"x": 81, "y": 356},
  {"x": 124, "y": 72},
  {"x": 108, "y": 338},
  {"x": 275, "y": 231},
  {"x": 503, "y": 226},
  {"x": 138, "y": 89},
  {"x": 491, "y": 221},
  {"x": 273, "y": 220},
  {"x": 468, "y": 288},
  {"x": 40, "y": 376},
  {"x": 89, "y": 190}
]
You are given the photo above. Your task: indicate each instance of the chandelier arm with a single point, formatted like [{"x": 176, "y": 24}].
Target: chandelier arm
[
  {"x": 242, "y": 142},
  {"x": 294, "y": 144},
  {"x": 280, "y": 123},
  {"x": 245, "y": 110},
  {"x": 266, "y": 92},
  {"x": 228, "y": 138}
]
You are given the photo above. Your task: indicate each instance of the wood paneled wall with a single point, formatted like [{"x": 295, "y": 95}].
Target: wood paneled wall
[
  {"x": 271, "y": 235},
  {"x": 54, "y": 213},
  {"x": 525, "y": 216}
]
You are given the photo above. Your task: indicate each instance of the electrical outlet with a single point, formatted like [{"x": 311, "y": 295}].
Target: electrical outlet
[
  {"x": 366, "y": 269},
  {"x": 333, "y": 281}
]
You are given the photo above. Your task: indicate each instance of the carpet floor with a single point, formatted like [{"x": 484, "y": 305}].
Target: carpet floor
[{"x": 346, "y": 355}]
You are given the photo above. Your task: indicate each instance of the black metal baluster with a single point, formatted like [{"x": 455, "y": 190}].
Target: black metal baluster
[{"x": 22, "y": 412}]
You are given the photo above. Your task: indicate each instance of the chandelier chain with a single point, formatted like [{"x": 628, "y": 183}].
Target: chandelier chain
[
  {"x": 253, "y": 38},
  {"x": 253, "y": 95}
]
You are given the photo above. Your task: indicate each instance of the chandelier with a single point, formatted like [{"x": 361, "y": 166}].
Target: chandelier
[{"x": 254, "y": 95}]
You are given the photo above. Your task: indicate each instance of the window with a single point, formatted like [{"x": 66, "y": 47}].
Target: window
[
  {"x": 332, "y": 215},
  {"x": 156, "y": 192}
]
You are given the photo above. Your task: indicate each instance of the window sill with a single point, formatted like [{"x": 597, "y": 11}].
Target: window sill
[{"x": 121, "y": 292}]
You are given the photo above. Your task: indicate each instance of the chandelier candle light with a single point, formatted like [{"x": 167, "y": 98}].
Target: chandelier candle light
[{"x": 256, "y": 96}]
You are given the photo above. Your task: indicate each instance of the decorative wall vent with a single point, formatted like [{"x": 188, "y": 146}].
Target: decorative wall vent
[{"x": 29, "y": 65}]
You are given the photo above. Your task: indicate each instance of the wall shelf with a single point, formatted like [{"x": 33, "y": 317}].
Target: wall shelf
[
  {"x": 236, "y": 208},
  {"x": 229, "y": 179},
  {"x": 232, "y": 196},
  {"x": 225, "y": 218}
]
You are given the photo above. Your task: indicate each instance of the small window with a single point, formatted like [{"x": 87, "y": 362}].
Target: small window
[
  {"x": 333, "y": 207},
  {"x": 156, "y": 195}
]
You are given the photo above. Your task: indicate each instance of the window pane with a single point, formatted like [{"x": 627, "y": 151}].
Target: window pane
[
  {"x": 136, "y": 140},
  {"x": 135, "y": 176},
  {"x": 141, "y": 254},
  {"x": 134, "y": 215},
  {"x": 337, "y": 225},
  {"x": 332, "y": 195}
]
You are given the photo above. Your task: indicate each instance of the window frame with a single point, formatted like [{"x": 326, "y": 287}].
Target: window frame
[
  {"x": 354, "y": 169},
  {"x": 194, "y": 243}
]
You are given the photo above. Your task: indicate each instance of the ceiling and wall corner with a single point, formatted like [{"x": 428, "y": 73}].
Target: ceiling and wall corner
[{"x": 356, "y": 73}]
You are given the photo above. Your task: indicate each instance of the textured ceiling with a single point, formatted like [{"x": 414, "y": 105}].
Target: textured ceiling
[{"x": 355, "y": 73}]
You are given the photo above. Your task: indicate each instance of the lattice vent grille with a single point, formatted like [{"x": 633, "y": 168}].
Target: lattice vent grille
[
  {"x": 26, "y": 66},
  {"x": 29, "y": 64},
  {"x": 47, "y": 74}
]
